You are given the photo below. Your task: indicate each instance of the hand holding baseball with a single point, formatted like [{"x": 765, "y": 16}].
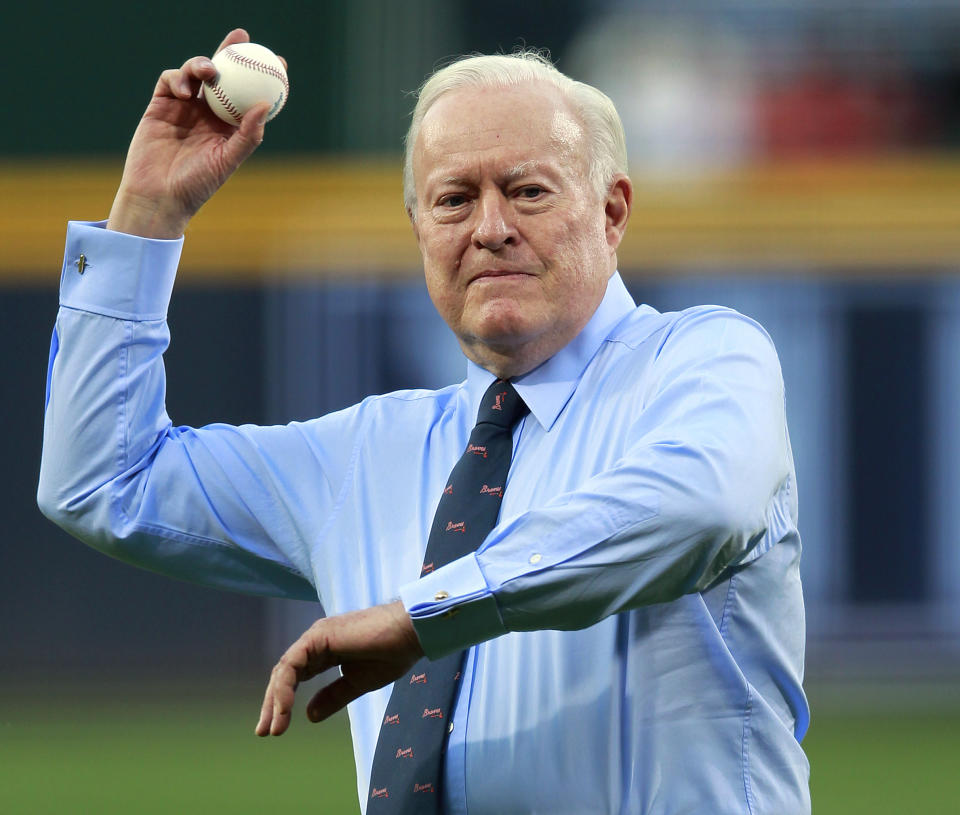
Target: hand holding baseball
[{"x": 181, "y": 152}]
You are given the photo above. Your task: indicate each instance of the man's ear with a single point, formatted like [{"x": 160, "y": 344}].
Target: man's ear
[
  {"x": 617, "y": 209},
  {"x": 413, "y": 223}
]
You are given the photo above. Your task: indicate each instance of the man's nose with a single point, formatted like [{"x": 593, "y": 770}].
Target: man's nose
[{"x": 495, "y": 225}]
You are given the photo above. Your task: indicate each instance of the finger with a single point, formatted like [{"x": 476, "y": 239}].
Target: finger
[
  {"x": 248, "y": 137},
  {"x": 182, "y": 82},
  {"x": 199, "y": 68},
  {"x": 282, "y": 711},
  {"x": 170, "y": 83},
  {"x": 275, "y": 712},
  {"x": 265, "y": 722},
  {"x": 328, "y": 700},
  {"x": 235, "y": 36},
  {"x": 266, "y": 714},
  {"x": 303, "y": 660}
]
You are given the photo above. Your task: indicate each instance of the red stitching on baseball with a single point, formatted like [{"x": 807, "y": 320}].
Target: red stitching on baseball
[
  {"x": 225, "y": 101},
  {"x": 258, "y": 66}
]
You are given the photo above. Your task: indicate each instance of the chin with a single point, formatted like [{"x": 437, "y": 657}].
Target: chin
[{"x": 508, "y": 327}]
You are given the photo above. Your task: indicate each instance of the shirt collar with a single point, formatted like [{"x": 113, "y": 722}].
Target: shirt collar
[{"x": 548, "y": 387}]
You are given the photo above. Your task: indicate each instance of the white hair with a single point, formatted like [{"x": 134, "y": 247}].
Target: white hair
[{"x": 603, "y": 130}]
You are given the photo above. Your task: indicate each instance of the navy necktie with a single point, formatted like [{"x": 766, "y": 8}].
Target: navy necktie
[{"x": 408, "y": 763}]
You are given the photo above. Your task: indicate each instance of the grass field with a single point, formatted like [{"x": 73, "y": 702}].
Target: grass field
[{"x": 149, "y": 751}]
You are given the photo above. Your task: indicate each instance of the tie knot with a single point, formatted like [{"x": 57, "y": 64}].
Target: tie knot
[{"x": 501, "y": 405}]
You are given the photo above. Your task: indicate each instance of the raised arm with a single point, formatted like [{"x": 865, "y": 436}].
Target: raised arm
[
  {"x": 204, "y": 504},
  {"x": 181, "y": 152}
]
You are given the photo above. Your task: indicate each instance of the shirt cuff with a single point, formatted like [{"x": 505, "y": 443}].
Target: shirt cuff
[
  {"x": 452, "y": 608},
  {"x": 116, "y": 274}
]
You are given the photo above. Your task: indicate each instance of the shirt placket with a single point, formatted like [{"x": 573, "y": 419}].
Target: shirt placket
[{"x": 455, "y": 763}]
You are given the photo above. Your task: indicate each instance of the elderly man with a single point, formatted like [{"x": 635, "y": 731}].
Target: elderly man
[{"x": 568, "y": 584}]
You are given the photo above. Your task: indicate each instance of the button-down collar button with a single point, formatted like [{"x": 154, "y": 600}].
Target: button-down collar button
[
  {"x": 450, "y": 727},
  {"x": 441, "y": 595},
  {"x": 536, "y": 557}
]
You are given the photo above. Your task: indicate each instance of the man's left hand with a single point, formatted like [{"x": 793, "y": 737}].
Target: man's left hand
[{"x": 373, "y": 647}]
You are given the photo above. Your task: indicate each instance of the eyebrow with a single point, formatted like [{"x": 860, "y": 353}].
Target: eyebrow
[{"x": 524, "y": 168}]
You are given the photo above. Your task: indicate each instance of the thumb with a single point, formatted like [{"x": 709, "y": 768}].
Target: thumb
[
  {"x": 331, "y": 698},
  {"x": 248, "y": 137}
]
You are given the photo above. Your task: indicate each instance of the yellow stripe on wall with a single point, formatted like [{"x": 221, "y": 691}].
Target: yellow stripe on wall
[{"x": 313, "y": 217}]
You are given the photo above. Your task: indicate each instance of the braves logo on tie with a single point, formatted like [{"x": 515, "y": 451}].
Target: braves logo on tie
[
  {"x": 498, "y": 401},
  {"x": 426, "y": 568},
  {"x": 459, "y": 526},
  {"x": 485, "y": 490},
  {"x": 448, "y": 490},
  {"x": 418, "y": 679},
  {"x": 379, "y": 793},
  {"x": 422, "y": 787},
  {"x": 432, "y": 713},
  {"x": 477, "y": 450},
  {"x": 392, "y": 719},
  {"x": 405, "y": 752}
]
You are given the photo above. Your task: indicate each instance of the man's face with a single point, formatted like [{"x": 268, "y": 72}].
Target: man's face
[{"x": 517, "y": 246}]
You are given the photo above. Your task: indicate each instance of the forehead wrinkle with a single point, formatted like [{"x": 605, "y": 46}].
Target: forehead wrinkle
[
  {"x": 448, "y": 141},
  {"x": 518, "y": 170}
]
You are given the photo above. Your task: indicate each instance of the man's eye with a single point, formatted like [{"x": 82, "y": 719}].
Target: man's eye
[
  {"x": 531, "y": 192},
  {"x": 453, "y": 201}
]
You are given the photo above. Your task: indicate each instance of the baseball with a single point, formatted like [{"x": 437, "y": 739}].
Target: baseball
[{"x": 247, "y": 74}]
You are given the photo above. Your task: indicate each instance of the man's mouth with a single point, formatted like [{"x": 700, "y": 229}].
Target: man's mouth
[{"x": 488, "y": 274}]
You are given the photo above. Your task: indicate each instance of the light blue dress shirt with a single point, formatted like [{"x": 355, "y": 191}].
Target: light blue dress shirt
[{"x": 634, "y": 623}]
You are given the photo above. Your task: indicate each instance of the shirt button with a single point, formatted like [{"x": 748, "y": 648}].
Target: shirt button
[
  {"x": 450, "y": 727},
  {"x": 536, "y": 557},
  {"x": 441, "y": 595}
]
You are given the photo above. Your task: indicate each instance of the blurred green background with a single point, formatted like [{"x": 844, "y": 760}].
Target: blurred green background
[
  {"x": 169, "y": 747},
  {"x": 798, "y": 161}
]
